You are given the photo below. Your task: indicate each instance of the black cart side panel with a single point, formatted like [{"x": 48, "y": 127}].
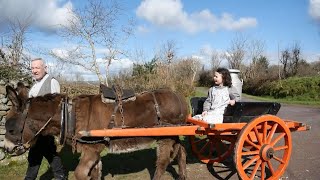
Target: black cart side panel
[{"x": 240, "y": 112}]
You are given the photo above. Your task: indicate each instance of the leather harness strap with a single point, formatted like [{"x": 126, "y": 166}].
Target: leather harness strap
[
  {"x": 181, "y": 114},
  {"x": 27, "y": 144},
  {"x": 156, "y": 106},
  {"x": 65, "y": 121}
]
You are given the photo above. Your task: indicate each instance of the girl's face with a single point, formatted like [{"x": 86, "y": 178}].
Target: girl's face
[{"x": 217, "y": 78}]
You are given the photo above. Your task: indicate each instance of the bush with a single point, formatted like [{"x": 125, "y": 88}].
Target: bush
[
  {"x": 294, "y": 88},
  {"x": 297, "y": 88},
  {"x": 8, "y": 73},
  {"x": 75, "y": 89},
  {"x": 205, "y": 79},
  {"x": 174, "y": 77}
]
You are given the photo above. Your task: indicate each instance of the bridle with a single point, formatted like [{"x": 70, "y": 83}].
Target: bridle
[{"x": 20, "y": 145}]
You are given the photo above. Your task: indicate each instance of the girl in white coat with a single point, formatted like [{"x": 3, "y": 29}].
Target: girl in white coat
[{"x": 218, "y": 97}]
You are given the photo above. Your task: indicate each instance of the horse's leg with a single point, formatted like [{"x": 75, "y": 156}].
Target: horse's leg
[
  {"x": 89, "y": 159},
  {"x": 96, "y": 171},
  {"x": 165, "y": 147},
  {"x": 182, "y": 161}
]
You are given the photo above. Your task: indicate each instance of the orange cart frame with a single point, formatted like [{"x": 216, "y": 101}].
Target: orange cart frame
[{"x": 257, "y": 141}]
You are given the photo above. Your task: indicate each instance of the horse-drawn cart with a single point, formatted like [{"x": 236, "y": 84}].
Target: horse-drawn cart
[{"x": 259, "y": 141}]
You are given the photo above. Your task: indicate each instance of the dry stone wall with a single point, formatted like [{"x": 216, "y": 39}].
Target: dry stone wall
[{"x": 5, "y": 106}]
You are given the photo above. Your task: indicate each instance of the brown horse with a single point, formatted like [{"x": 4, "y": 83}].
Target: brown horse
[{"x": 29, "y": 117}]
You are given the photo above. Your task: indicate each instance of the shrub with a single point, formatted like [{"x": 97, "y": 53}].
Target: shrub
[
  {"x": 205, "y": 79},
  {"x": 8, "y": 73},
  {"x": 294, "y": 88},
  {"x": 171, "y": 76}
]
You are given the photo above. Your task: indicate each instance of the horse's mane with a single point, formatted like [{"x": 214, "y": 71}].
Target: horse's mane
[{"x": 47, "y": 97}]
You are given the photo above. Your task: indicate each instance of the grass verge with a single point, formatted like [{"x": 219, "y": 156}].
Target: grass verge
[{"x": 283, "y": 101}]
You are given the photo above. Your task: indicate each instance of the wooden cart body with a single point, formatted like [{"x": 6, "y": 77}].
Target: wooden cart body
[{"x": 259, "y": 141}]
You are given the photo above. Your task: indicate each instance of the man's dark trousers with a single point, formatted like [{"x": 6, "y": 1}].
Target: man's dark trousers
[{"x": 44, "y": 147}]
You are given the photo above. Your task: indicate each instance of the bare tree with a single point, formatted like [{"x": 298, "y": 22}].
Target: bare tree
[
  {"x": 290, "y": 60},
  {"x": 16, "y": 40},
  {"x": 255, "y": 51},
  {"x": 14, "y": 59},
  {"x": 216, "y": 59},
  {"x": 236, "y": 54},
  {"x": 93, "y": 27},
  {"x": 78, "y": 77},
  {"x": 166, "y": 55},
  {"x": 138, "y": 55},
  {"x": 284, "y": 60},
  {"x": 167, "y": 52},
  {"x": 295, "y": 59},
  {"x": 188, "y": 69}
]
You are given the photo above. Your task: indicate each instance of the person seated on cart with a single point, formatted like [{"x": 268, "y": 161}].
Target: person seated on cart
[{"x": 219, "y": 97}]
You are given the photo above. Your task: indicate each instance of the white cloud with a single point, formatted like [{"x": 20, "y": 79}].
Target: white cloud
[
  {"x": 45, "y": 15},
  {"x": 142, "y": 29},
  {"x": 170, "y": 14},
  {"x": 314, "y": 9},
  {"x": 61, "y": 53},
  {"x": 206, "y": 50},
  {"x": 227, "y": 22},
  {"x": 120, "y": 65}
]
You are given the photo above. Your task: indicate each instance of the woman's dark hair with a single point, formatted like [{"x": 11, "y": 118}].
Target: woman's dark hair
[{"x": 226, "y": 77}]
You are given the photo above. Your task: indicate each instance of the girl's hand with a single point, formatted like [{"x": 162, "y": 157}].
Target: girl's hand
[
  {"x": 232, "y": 102},
  {"x": 204, "y": 113}
]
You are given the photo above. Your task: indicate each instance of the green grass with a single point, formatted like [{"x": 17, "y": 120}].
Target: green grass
[
  {"x": 17, "y": 169},
  {"x": 202, "y": 92},
  {"x": 13, "y": 170},
  {"x": 134, "y": 165},
  {"x": 284, "y": 101}
]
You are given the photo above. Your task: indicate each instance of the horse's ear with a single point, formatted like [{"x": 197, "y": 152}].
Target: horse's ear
[
  {"x": 22, "y": 91},
  {"x": 13, "y": 97},
  {"x": 20, "y": 85}
]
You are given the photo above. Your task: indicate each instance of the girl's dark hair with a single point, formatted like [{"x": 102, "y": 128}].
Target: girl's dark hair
[{"x": 226, "y": 77}]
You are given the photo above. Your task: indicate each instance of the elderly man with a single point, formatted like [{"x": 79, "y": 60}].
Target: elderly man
[{"x": 45, "y": 145}]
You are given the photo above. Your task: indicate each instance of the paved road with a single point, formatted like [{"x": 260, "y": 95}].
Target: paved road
[{"x": 305, "y": 158}]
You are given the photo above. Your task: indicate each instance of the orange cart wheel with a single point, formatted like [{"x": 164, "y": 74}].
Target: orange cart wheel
[
  {"x": 270, "y": 148},
  {"x": 212, "y": 148}
]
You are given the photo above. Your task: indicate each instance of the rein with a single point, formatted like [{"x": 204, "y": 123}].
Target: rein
[
  {"x": 25, "y": 113},
  {"x": 27, "y": 144}
]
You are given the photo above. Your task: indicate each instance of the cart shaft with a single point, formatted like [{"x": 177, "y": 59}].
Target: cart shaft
[{"x": 163, "y": 131}]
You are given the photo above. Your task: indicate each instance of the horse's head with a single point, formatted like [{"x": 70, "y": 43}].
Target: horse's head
[
  {"x": 15, "y": 118},
  {"x": 29, "y": 117}
]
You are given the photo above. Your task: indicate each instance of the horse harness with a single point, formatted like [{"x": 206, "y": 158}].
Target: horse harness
[
  {"x": 68, "y": 116},
  {"x": 24, "y": 115},
  {"x": 117, "y": 105},
  {"x": 120, "y": 96}
]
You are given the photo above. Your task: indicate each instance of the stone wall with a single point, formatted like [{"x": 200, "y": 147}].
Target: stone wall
[{"x": 5, "y": 106}]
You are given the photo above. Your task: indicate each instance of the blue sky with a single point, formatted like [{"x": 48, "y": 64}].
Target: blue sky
[
  {"x": 275, "y": 22},
  {"x": 193, "y": 25}
]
